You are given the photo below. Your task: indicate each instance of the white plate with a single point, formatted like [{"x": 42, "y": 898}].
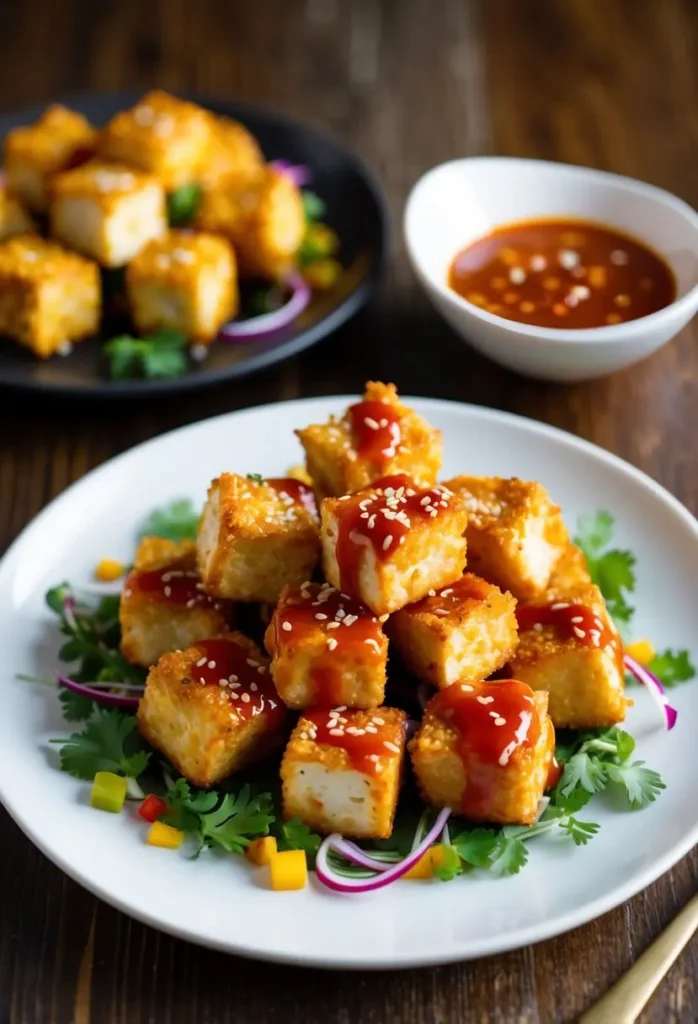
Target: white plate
[{"x": 219, "y": 901}]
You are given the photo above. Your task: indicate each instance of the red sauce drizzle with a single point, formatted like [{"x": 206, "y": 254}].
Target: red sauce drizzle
[
  {"x": 178, "y": 583},
  {"x": 555, "y": 770},
  {"x": 249, "y": 685},
  {"x": 376, "y": 429},
  {"x": 468, "y": 588},
  {"x": 365, "y": 749},
  {"x": 573, "y": 621},
  {"x": 300, "y": 493},
  {"x": 493, "y": 719}
]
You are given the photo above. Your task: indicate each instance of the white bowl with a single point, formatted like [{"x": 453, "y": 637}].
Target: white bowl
[{"x": 460, "y": 201}]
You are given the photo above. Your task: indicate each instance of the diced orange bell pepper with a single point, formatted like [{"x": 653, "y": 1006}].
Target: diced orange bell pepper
[
  {"x": 166, "y": 836},
  {"x": 109, "y": 569},
  {"x": 260, "y": 851},
  {"x": 424, "y": 868},
  {"x": 288, "y": 870},
  {"x": 641, "y": 650}
]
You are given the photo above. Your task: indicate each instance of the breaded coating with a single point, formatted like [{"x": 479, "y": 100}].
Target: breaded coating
[
  {"x": 49, "y": 297},
  {"x": 326, "y": 649},
  {"x": 377, "y": 437},
  {"x": 261, "y": 214},
  {"x": 14, "y": 219},
  {"x": 515, "y": 533},
  {"x": 212, "y": 709},
  {"x": 163, "y": 606},
  {"x": 184, "y": 281},
  {"x": 390, "y": 545},
  {"x": 485, "y": 750},
  {"x": 58, "y": 140},
  {"x": 163, "y": 135},
  {"x": 342, "y": 769},
  {"x": 569, "y": 570},
  {"x": 107, "y": 211},
  {"x": 232, "y": 149},
  {"x": 256, "y": 538},
  {"x": 460, "y": 634}
]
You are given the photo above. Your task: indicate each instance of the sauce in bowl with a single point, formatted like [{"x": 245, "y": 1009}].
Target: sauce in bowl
[{"x": 562, "y": 273}]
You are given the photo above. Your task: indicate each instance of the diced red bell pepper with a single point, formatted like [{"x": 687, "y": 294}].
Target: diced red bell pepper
[{"x": 152, "y": 808}]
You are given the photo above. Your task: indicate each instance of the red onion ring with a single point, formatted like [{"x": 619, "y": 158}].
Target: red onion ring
[
  {"x": 298, "y": 173},
  {"x": 268, "y": 323},
  {"x": 654, "y": 688},
  {"x": 112, "y": 699}
]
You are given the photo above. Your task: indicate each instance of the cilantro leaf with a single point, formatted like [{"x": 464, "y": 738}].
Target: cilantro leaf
[
  {"x": 450, "y": 865},
  {"x": 313, "y": 206},
  {"x": 672, "y": 667},
  {"x": 162, "y": 355},
  {"x": 229, "y": 822},
  {"x": 584, "y": 771},
  {"x": 642, "y": 785},
  {"x": 294, "y": 835},
  {"x": 595, "y": 533},
  {"x": 256, "y": 478},
  {"x": 580, "y": 832},
  {"x": 182, "y": 204},
  {"x": 177, "y": 521},
  {"x": 475, "y": 846},
  {"x": 509, "y": 855},
  {"x": 76, "y": 707},
  {"x": 612, "y": 570},
  {"x": 108, "y": 743}
]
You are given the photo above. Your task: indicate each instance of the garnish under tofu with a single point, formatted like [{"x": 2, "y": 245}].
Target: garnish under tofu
[
  {"x": 393, "y": 543},
  {"x": 326, "y": 649},
  {"x": 184, "y": 281},
  {"x": 255, "y": 538},
  {"x": 49, "y": 297},
  {"x": 107, "y": 211},
  {"x": 161, "y": 134},
  {"x": 212, "y": 709},
  {"x": 515, "y": 533},
  {"x": 163, "y": 605},
  {"x": 485, "y": 750},
  {"x": 342, "y": 769},
  {"x": 232, "y": 149},
  {"x": 59, "y": 139},
  {"x": 14, "y": 219},
  {"x": 459, "y": 634},
  {"x": 377, "y": 437}
]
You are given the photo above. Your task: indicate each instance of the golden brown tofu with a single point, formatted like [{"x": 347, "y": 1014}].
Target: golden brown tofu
[
  {"x": 212, "y": 709},
  {"x": 569, "y": 571},
  {"x": 256, "y": 538},
  {"x": 163, "y": 135},
  {"x": 390, "y": 545},
  {"x": 232, "y": 150},
  {"x": 14, "y": 219},
  {"x": 377, "y": 437},
  {"x": 341, "y": 770},
  {"x": 107, "y": 211},
  {"x": 486, "y": 750},
  {"x": 163, "y": 605},
  {"x": 261, "y": 214},
  {"x": 460, "y": 634},
  {"x": 326, "y": 649},
  {"x": 515, "y": 533},
  {"x": 184, "y": 281},
  {"x": 49, "y": 297},
  {"x": 60, "y": 139}
]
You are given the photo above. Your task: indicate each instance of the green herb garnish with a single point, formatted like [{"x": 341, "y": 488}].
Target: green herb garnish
[
  {"x": 182, "y": 205},
  {"x": 177, "y": 521},
  {"x": 108, "y": 743},
  {"x": 672, "y": 667},
  {"x": 162, "y": 355},
  {"x": 611, "y": 569},
  {"x": 256, "y": 478},
  {"x": 313, "y": 206},
  {"x": 597, "y": 759},
  {"x": 229, "y": 822}
]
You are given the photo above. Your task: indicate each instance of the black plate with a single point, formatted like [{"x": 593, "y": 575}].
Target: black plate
[{"x": 355, "y": 209}]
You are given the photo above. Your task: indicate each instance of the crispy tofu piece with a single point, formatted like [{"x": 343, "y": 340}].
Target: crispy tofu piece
[
  {"x": 390, "y": 545},
  {"x": 569, "y": 570},
  {"x": 232, "y": 150},
  {"x": 326, "y": 649},
  {"x": 459, "y": 634},
  {"x": 377, "y": 437},
  {"x": 486, "y": 750},
  {"x": 515, "y": 533},
  {"x": 107, "y": 211},
  {"x": 256, "y": 538},
  {"x": 184, "y": 281},
  {"x": 212, "y": 709},
  {"x": 14, "y": 219},
  {"x": 163, "y": 135},
  {"x": 163, "y": 606},
  {"x": 49, "y": 297},
  {"x": 261, "y": 214},
  {"x": 569, "y": 646},
  {"x": 59, "y": 139},
  {"x": 341, "y": 770}
]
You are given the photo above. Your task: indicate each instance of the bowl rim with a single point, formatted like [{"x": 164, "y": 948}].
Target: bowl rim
[{"x": 611, "y": 333}]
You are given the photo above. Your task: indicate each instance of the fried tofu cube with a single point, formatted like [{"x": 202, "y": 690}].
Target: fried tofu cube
[
  {"x": 14, "y": 219},
  {"x": 255, "y": 538},
  {"x": 261, "y": 214},
  {"x": 515, "y": 533},
  {"x": 326, "y": 649},
  {"x": 163, "y": 135},
  {"x": 59, "y": 139},
  {"x": 569, "y": 646},
  {"x": 569, "y": 571},
  {"x": 486, "y": 750},
  {"x": 377, "y": 437},
  {"x": 184, "y": 281},
  {"x": 390, "y": 545},
  {"x": 163, "y": 606},
  {"x": 49, "y": 297},
  {"x": 459, "y": 634},
  {"x": 342, "y": 769},
  {"x": 107, "y": 211},
  {"x": 212, "y": 709},
  {"x": 232, "y": 150}
]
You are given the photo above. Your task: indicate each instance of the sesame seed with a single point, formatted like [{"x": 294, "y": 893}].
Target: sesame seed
[
  {"x": 304, "y": 735},
  {"x": 391, "y": 746},
  {"x": 350, "y": 620},
  {"x": 334, "y": 625},
  {"x": 425, "y": 501},
  {"x": 500, "y": 721},
  {"x": 619, "y": 257},
  {"x": 538, "y": 263},
  {"x": 493, "y": 714},
  {"x": 168, "y": 591},
  {"x": 568, "y": 258},
  {"x": 331, "y": 643},
  {"x": 371, "y": 728},
  {"x": 235, "y": 695},
  {"x": 517, "y": 275},
  {"x": 485, "y": 700},
  {"x": 577, "y": 618},
  {"x": 370, "y": 422},
  {"x": 373, "y": 643},
  {"x": 201, "y": 661},
  {"x": 352, "y": 730},
  {"x": 252, "y": 663},
  {"x": 383, "y": 618},
  {"x": 538, "y": 626},
  {"x": 558, "y": 605},
  {"x": 579, "y": 632},
  {"x": 287, "y": 626},
  {"x": 341, "y": 707},
  {"x": 321, "y": 616},
  {"x": 222, "y": 682},
  {"x": 387, "y": 542},
  {"x": 445, "y": 593},
  {"x": 581, "y": 291},
  {"x": 191, "y": 602},
  {"x": 336, "y": 732},
  {"x": 245, "y": 698},
  {"x": 378, "y": 721},
  {"x": 211, "y": 664},
  {"x": 254, "y": 687}
]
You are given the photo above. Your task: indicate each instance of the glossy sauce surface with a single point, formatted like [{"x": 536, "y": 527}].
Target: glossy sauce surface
[
  {"x": 442, "y": 602},
  {"x": 571, "y": 622},
  {"x": 366, "y": 744},
  {"x": 244, "y": 677},
  {"x": 296, "y": 492},
  {"x": 562, "y": 273},
  {"x": 376, "y": 430},
  {"x": 178, "y": 583}
]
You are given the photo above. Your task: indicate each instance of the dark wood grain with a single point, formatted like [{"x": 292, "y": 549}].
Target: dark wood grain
[{"x": 609, "y": 83}]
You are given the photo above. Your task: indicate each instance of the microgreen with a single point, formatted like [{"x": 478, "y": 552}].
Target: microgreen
[
  {"x": 177, "y": 521},
  {"x": 182, "y": 205},
  {"x": 162, "y": 355}
]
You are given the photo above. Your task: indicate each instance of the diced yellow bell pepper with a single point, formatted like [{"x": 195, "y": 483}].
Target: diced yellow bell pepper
[
  {"x": 424, "y": 868},
  {"x": 108, "y": 792},
  {"x": 300, "y": 473},
  {"x": 160, "y": 834},
  {"x": 260, "y": 851},
  {"x": 641, "y": 650},
  {"x": 438, "y": 855},
  {"x": 322, "y": 239},
  {"x": 322, "y": 273},
  {"x": 288, "y": 870},
  {"x": 109, "y": 569}
]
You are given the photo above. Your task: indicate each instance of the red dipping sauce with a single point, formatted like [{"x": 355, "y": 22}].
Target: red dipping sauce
[
  {"x": 178, "y": 583},
  {"x": 367, "y": 739},
  {"x": 572, "y": 622},
  {"x": 450, "y": 598},
  {"x": 294, "y": 492},
  {"x": 246, "y": 680},
  {"x": 376, "y": 430}
]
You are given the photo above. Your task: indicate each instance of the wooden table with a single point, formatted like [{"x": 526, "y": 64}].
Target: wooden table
[{"x": 610, "y": 83}]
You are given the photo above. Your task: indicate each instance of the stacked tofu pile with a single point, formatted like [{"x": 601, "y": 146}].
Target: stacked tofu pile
[
  {"x": 100, "y": 195},
  {"x": 473, "y": 586}
]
